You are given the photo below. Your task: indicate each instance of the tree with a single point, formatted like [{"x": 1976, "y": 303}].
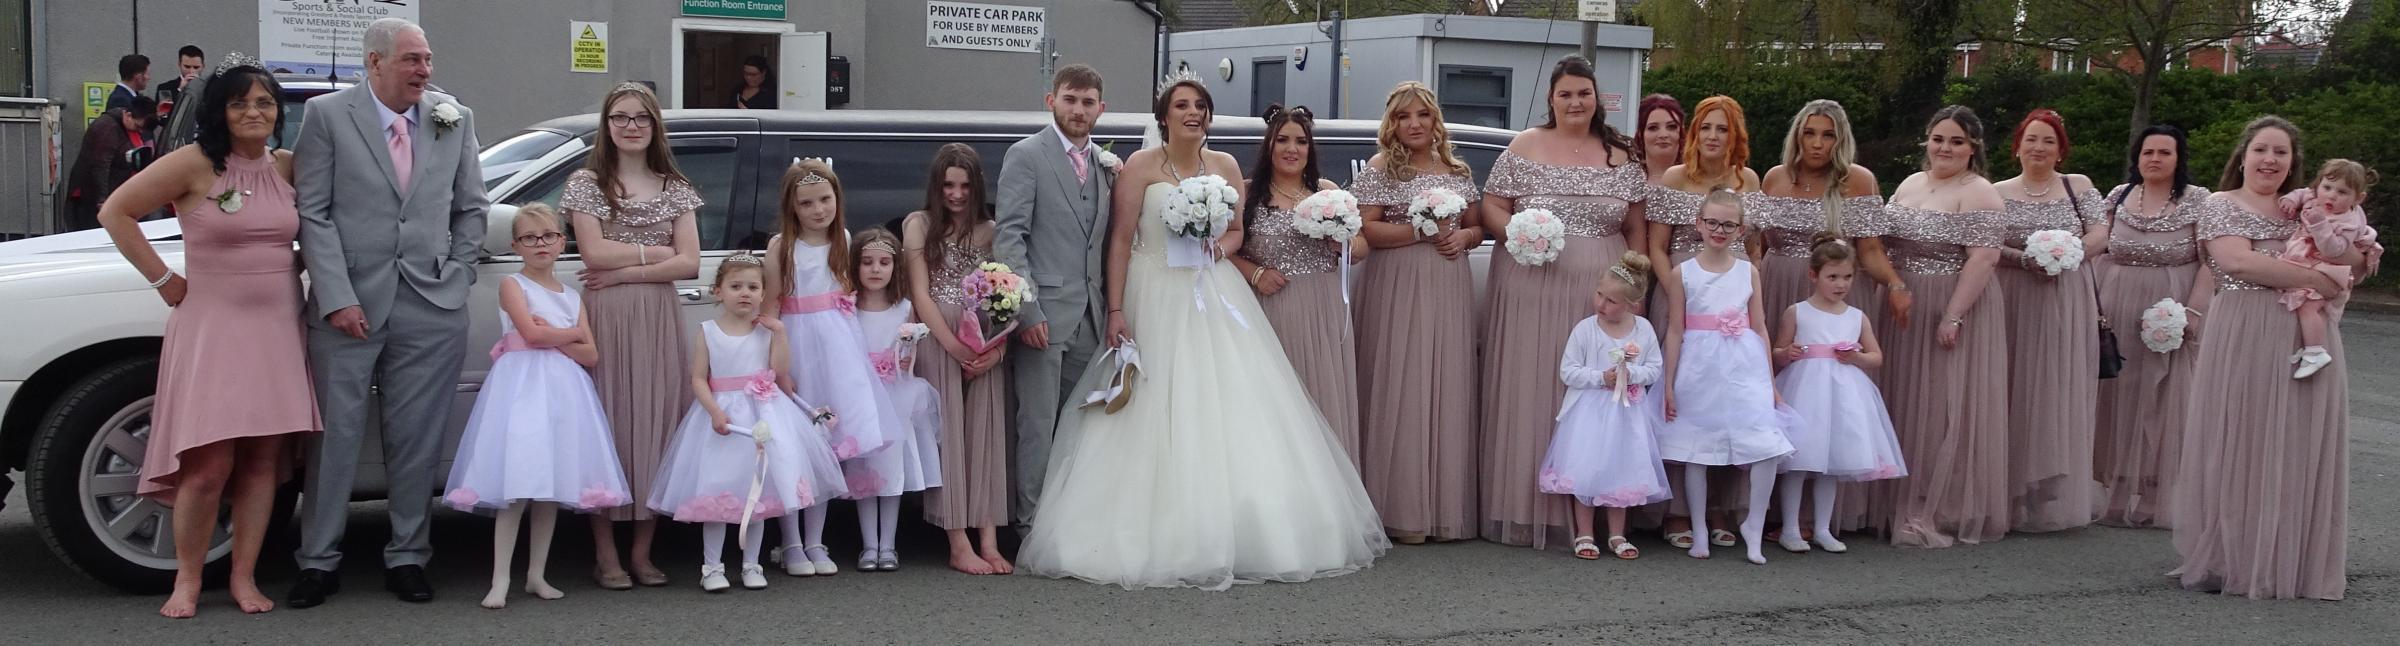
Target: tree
[
  {"x": 1277, "y": 12},
  {"x": 2141, "y": 38}
]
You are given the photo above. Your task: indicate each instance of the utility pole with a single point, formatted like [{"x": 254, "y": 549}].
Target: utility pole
[{"x": 1334, "y": 100}]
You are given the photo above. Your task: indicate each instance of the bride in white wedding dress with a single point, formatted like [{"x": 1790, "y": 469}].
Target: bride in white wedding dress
[{"x": 1219, "y": 470}]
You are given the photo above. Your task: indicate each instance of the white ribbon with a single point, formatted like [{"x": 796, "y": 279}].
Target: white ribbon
[
  {"x": 1345, "y": 273},
  {"x": 758, "y": 476}
]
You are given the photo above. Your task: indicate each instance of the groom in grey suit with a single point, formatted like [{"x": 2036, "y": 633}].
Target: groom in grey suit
[
  {"x": 1053, "y": 217},
  {"x": 392, "y": 218}
]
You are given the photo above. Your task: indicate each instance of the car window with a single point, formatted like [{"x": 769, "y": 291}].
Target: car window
[
  {"x": 710, "y": 163},
  {"x": 503, "y": 159},
  {"x": 882, "y": 180}
]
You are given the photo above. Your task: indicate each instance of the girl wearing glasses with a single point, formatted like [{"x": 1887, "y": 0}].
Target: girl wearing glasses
[
  {"x": 635, "y": 229},
  {"x": 1716, "y": 154},
  {"x": 537, "y": 438}
]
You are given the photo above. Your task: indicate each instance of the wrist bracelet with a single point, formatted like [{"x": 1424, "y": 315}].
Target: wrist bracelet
[
  {"x": 162, "y": 279},
  {"x": 1255, "y": 273}
]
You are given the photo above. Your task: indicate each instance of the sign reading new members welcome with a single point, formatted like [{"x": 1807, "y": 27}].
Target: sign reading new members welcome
[
  {"x": 991, "y": 27},
  {"x": 752, "y": 9}
]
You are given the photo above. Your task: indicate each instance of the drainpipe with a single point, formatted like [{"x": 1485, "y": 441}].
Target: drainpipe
[{"x": 1161, "y": 41}]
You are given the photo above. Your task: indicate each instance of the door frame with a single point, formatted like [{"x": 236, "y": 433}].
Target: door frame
[{"x": 682, "y": 26}]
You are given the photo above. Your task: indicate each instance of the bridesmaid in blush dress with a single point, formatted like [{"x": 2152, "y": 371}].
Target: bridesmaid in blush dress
[
  {"x": 233, "y": 380},
  {"x": 636, "y": 230},
  {"x": 1299, "y": 280},
  {"x": 1416, "y": 329},
  {"x": 1582, "y": 171},
  {"x": 2053, "y": 367},
  {"x": 2262, "y": 509},
  {"x": 941, "y": 251},
  {"x": 1946, "y": 382},
  {"x": 2152, "y": 254}
]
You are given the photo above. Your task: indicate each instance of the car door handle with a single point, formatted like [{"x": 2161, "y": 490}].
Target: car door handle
[{"x": 692, "y": 295}]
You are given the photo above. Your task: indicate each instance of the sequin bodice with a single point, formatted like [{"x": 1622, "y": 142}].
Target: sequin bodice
[
  {"x": 1589, "y": 200},
  {"x": 1377, "y": 188},
  {"x": 1271, "y": 240},
  {"x": 1679, "y": 210},
  {"x": 2220, "y": 217},
  {"x": 649, "y": 222},
  {"x": 1935, "y": 242},
  {"x": 1788, "y": 223},
  {"x": 2167, "y": 240},
  {"x": 2021, "y": 218},
  {"x": 958, "y": 260}
]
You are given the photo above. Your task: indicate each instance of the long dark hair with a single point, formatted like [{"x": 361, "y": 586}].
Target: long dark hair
[
  {"x": 658, "y": 157},
  {"x": 1262, "y": 172},
  {"x": 215, "y": 136},
  {"x": 937, "y": 210},
  {"x": 2183, "y": 163},
  {"x": 1576, "y": 65}
]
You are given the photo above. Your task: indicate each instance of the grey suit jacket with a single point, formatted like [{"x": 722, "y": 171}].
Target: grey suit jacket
[
  {"x": 1039, "y": 226},
  {"x": 363, "y": 237}
]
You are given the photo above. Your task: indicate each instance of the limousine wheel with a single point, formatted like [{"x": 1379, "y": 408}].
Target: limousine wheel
[{"x": 81, "y": 479}]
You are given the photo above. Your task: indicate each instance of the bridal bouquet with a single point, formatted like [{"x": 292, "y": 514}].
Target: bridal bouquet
[
  {"x": 1197, "y": 211},
  {"x": 997, "y": 292},
  {"x": 1432, "y": 208},
  {"x": 1327, "y": 215},
  {"x": 2053, "y": 250},
  {"x": 2162, "y": 326},
  {"x": 1535, "y": 237}
]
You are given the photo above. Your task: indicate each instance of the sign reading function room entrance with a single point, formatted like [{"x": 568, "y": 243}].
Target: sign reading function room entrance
[
  {"x": 752, "y": 9},
  {"x": 991, "y": 27}
]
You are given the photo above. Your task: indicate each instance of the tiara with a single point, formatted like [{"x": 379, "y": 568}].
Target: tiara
[
  {"x": 236, "y": 59},
  {"x": 880, "y": 245},
  {"x": 1277, "y": 111},
  {"x": 1181, "y": 74},
  {"x": 1619, "y": 272},
  {"x": 811, "y": 176},
  {"x": 743, "y": 258}
]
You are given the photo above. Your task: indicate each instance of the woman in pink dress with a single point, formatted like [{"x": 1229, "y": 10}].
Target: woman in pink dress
[
  {"x": 2054, "y": 363},
  {"x": 1946, "y": 379},
  {"x": 1301, "y": 280},
  {"x": 2262, "y": 507},
  {"x": 233, "y": 372},
  {"x": 1659, "y": 146},
  {"x": 1416, "y": 329},
  {"x": 2152, "y": 255},
  {"x": 1583, "y": 172}
]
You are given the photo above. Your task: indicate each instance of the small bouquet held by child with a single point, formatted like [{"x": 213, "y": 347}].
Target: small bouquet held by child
[
  {"x": 1199, "y": 211},
  {"x": 998, "y": 293}
]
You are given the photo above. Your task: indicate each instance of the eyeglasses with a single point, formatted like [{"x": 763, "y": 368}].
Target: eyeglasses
[
  {"x": 540, "y": 239},
  {"x": 1725, "y": 226},
  {"x": 631, "y": 120}
]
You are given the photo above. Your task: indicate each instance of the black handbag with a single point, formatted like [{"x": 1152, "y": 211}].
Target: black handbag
[{"x": 2111, "y": 362}]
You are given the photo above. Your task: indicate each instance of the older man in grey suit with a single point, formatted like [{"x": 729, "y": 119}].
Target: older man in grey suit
[
  {"x": 392, "y": 217},
  {"x": 1053, "y": 217}
]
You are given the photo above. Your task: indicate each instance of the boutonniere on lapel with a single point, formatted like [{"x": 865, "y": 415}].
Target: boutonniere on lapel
[
  {"x": 230, "y": 201},
  {"x": 1106, "y": 159},
  {"x": 445, "y": 118}
]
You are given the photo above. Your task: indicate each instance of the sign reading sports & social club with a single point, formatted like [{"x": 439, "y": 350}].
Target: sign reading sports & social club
[
  {"x": 989, "y": 27},
  {"x": 320, "y": 37}
]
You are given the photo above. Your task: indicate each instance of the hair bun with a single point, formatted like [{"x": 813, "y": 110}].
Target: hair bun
[
  {"x": 1823, "y": 237},
  {"x": 1636, "y": 262}
]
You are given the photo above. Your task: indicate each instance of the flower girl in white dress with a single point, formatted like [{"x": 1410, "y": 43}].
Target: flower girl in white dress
[
  {"x": 741, "y": 419},
  {"x": 537, "y": 438},
  {"x": 1604, "y": 452},
  {"x": 1822, "y": 345},
  {"x": 913, "y": 461}
]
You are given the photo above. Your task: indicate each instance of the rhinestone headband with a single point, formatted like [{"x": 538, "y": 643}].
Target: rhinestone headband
[
  {"x": 236, "y": 59},
  {"x": 885, "y": 247},
  {"x": 743, "y": 258},
  {"x": 1620, "y": 273},
  {"x": 1168, "y": 81}
]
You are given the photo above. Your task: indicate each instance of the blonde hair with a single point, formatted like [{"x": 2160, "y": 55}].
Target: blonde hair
[
  {"x": 1837, "y": 169},
  {"x": 1396, "y": 154},
  {"x": 536, "y": 212},
  {"x": 1724, "y": 196},
  {"x": 1634, "y": 270}
]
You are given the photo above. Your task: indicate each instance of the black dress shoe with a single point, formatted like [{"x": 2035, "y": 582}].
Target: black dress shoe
[
  {"x": 313, "y": 587},
  {"x": 408, "y": 583}
]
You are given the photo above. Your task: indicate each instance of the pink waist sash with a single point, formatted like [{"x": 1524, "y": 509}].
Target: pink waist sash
[
  {"x": 1730, "y": 323},
  {"x": 756, "y": 383},
  {"x": 1827, "y": 350},
  {"x": 511, "y": 342},
  {"x": 820, "y": 302}
]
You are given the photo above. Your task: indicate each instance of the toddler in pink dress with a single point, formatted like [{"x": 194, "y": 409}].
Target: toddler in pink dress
[{"x": 2333, "y": 238}]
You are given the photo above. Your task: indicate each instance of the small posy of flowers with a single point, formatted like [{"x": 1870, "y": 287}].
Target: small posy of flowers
[
  {"x": 997, "y": 291},
  {"x": 2163, "y": 324},
  {"x": 1619, "y": 358},
  {"x": 913, "y": 332},
  {"x": 1535, "y": 236},
  {"x": 1432, "y": 207},
  {"x": 230, "y": 201},
  {"x": 445, "y": 118},
  {"x": 2055, "y": 251},
  {"x": 1327, "y": 215},
  {"x": 887, "y": 365},
  {"x": 1201, "y": 208}
]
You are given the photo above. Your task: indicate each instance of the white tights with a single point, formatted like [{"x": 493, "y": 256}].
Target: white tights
[
  {"x": 879, "y": 523},
  {"x": 712, "y": 543},
  {"x": 794, "y": 538},
  {"x": 504, "y": 547},
  {"x": 1754, "y": 522},
  {"x": 1822, "y": 508}
]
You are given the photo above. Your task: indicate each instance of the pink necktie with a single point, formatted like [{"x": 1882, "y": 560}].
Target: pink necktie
[
  {"x": 1082, "y": 167},
  {"x": 402, "y": 154}
]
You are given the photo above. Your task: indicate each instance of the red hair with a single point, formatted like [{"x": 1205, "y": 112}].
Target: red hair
[
  {"x": 1641, "y": 115},
  {"x": 2058, "y": 124},
  {"x": 1737, "y": 137}
]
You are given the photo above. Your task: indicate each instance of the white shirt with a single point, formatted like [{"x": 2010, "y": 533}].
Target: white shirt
[
  {"x": 1072, "y": 149},
  {"x": 387, "y": 116}
]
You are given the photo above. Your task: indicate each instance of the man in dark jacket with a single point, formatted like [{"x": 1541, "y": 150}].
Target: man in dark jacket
[
  {"x": 113, "y": 150},
  {"x": 133, "y": 76}
]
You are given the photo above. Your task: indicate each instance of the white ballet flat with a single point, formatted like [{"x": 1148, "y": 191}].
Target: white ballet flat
[
  {"x": 753, "y": 576},
  {"x": 1830, "y": 544},
  {"x": 822, "y": 561},
  {"x": 712, "y": 578},
  {"x": 795, "y": 562}
]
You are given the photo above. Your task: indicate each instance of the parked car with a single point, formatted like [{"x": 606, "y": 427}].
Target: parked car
[{"x": 79, "y": 368}]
